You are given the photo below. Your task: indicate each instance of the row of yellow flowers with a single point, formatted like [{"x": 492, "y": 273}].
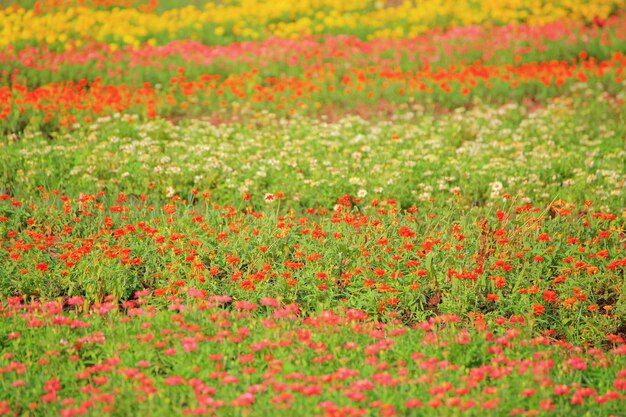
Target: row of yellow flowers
[{"x": 255, "y": 19}]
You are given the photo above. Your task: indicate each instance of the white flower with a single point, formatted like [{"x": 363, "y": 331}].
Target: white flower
[
  {"x": 496, "y": 186},
  {"x": 361, "y": 193},
  {"x": 357, "y": 181}
]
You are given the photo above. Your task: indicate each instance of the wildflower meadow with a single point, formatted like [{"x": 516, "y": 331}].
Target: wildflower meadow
[{"x": 325, "y": 208}]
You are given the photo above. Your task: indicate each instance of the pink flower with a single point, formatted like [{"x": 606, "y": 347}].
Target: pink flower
[
  {"x": 244, "y": 400},
  {"x": 413, "y": 403},
  {"x": 174, "y": 380},
  {"x": 75, "y": 301},
  {"x": 269, "y": 302}
]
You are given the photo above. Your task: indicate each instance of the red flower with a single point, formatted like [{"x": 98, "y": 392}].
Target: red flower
[
  {"x": 538, "y": 309},
  {"x": 549, "y": 296}
]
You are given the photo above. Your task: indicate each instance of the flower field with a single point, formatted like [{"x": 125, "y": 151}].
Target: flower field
[{"x": 318, "y": 208}]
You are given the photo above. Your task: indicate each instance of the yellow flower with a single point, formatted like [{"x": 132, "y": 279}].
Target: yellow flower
[{"x": 251, "y": 19}]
